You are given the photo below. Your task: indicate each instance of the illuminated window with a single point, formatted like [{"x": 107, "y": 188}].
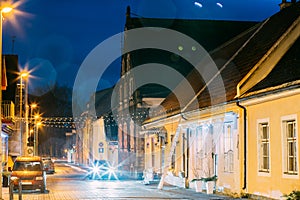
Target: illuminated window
[{"x": 263, "y": 147}]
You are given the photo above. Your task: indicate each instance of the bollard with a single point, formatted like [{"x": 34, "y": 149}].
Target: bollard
[
  {"x": 20, "y": 189},
  {"x": 11, "y": 190}
]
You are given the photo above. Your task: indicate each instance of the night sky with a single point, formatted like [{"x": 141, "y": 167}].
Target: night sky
[{"x": 55, "y": 36}]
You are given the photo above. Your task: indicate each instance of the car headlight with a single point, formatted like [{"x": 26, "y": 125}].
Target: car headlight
[
  {"x": 95, "y": 169},
  {"x": 111, "y": 169},
  {"x": 39, "y": 178}
]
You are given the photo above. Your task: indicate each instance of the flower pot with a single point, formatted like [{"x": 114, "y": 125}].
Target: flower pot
[
  {"x": 210, "y": 187},
  {"x": 198, "y": 186}
]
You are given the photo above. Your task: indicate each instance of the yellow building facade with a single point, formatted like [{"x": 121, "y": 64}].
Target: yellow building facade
[
  {"x": 210, "y": 143},
  {"x": 249, "y": 138},
  {"x": 274, "y": 140}
]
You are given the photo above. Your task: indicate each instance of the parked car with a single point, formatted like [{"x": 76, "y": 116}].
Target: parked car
[
  {"x": 48, "y": 165},
  {"x": 102, "y": 169},
  {"x": 30, "y": 171}
]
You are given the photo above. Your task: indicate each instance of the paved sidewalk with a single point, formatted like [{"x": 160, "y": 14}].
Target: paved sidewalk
[{"x": 190, "y": 193}]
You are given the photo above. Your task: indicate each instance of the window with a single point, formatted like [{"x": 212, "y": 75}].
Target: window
[
  {"x": 199, "y": 147},
  {"x": 228, "y": 148},
  {"x": 131, "y": 87},
  {"x": 173, "y": 159},
  {"x": 128, "y": 62},
  {"x": 263, "y": 147},
  {"x": 290, "y": 156},
  {"x": 125, "y": 94},
  {"x": 153, "y": 151}
]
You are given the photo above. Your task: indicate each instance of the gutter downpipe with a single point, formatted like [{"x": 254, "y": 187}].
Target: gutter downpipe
[{"x": 245, "y": 142}]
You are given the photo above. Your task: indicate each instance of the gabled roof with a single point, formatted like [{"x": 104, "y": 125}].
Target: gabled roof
[
  {"x": 208, "y": 33},
  {"x": 286, "y": 71},
  {"x": 236, "y": 58}
]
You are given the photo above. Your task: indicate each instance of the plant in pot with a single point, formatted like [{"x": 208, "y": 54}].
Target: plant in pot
[
  {"x": 209, "y": 182},
  {"x": 197, "y": 180}
]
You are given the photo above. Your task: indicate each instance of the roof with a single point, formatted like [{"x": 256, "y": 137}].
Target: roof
[
  {"x": 287, "y": 70},
  {"x": 237, "y": 57},
  {"x": 208, "y": 33}
]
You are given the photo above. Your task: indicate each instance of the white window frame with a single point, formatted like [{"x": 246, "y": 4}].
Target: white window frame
[
  {"x": 284, "y": 121},
  {"x": 228, "y": 147},
  {"x": 199, "y": 148},
  {"x": 260, "y": 124}
]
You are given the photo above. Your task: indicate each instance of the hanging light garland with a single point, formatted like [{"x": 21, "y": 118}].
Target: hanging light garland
[{"x": 110, "y": 120}]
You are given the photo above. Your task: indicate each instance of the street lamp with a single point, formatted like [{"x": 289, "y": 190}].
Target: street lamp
[
  {"x": 31, "y": 127},
  {"x": 2, "y": 10},
  {"x": 23, "y": 76},
  {"x": 32, "y": 107},
  {"x": 31, "y": 117},
  {"x": 36, "y": 134}
]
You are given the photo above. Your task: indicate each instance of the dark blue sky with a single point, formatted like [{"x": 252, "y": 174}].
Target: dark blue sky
[{"x": 58, "y": 34}]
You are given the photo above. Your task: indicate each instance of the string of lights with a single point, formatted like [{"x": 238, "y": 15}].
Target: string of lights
[{"x": 70, "y": 122}]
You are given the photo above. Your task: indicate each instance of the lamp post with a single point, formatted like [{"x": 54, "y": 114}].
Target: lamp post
[
  {"x": 23, "y": 75},
  {"x": 31, "y": 128},
  {"x": 36, "y": 134},
  {"x": 2, "y": 10}
]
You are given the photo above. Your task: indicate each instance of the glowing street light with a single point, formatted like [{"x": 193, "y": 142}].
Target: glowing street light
[
  {"x": 23, "y": 75},
  {"x": 6, "y": 9},
  {"x": 2, "y": 10},
  {"x": 36, "y": 134},
  {"x": 32, "y": 107}
]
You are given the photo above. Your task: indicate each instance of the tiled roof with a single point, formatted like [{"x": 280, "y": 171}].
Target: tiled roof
[
  {"x": 287, "y": 70},
  {"x": 243, "y": 52},
  {"x": 208, "y": 33}
]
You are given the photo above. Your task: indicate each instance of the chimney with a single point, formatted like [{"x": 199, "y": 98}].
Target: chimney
[
  {"x": 128, "y": 22},
  {"x": 128, "y": 12},
  {"x": 285, "y": 3}
]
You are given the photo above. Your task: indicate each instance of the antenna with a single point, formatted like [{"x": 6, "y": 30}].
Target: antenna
[{"x": 13, "y": 39}]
